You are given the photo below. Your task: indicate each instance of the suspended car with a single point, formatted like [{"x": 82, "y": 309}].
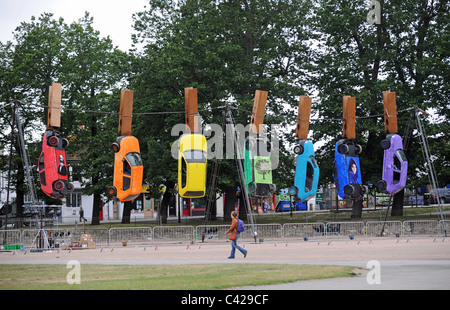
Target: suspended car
[
  {"x": 128, "y": 169},
  {"x": 395, "y": 165},
  {"x": 52, "y": 166},
  {"x": 306, "y": 172},
  {"x": 258, "y": 167},
  {"x": 192, "y": 166},
  {"x": 347, "y": 171}
]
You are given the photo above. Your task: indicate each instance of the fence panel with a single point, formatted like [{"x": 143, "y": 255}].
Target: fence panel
[
  {"x": 173, "y": 233},
  {"x": 384, "y": 229},
  {"x": 145, "y": 235},
  {"x": 9, "y": 238},
  {"x": 211, "y": 232},
  {"x": 130, "y": 235},
  {"x": 29, "y": 236},
  {"x": 270, "y": 231},
  {"x": 302, "y": 230},
  {"x": 99, "y": 235},
  {"x": 444, "y": 226},
  {"x": 345, "y": 229},
  {"x": 423, "y": 228}
]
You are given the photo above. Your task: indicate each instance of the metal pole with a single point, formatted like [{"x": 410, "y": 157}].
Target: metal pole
[
  {"x": 241, "y": 172},
  {"x": 430, "y": 167},
  {"x": 25, "y": 159}
]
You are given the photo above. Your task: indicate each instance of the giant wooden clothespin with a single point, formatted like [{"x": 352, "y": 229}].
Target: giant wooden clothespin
[
  {"x": 191, "y": 109},
  {"x": 126, "y": 112},
  {"x": 54, "y": 106},
  {"x": 390, "y": 112},
  {"x": 259, "y": 110},
  {"x": 349, "y": 115},
  {"x": 304, "y": 111}
]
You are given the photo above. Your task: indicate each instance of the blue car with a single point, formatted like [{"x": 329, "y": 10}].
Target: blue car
[
  {"x": 347, "y": 171},
  {"x": 306, "y": 172}
]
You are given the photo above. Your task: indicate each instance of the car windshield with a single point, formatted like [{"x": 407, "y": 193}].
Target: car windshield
[
  {"x": 401, "y": 155},
  {"x": 134, "y": 159},
  {"x": 313, "y": 161},
  {"x": 195, "y": 156}
]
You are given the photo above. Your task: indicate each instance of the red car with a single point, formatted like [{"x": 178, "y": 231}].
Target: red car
[{"x": 53, "y": 172}]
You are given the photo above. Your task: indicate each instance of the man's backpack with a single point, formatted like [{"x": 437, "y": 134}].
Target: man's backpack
[{"x": 240, "y": 227}]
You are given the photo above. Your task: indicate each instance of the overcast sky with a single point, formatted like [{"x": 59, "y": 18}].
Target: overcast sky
[{"x": 111, "y": 17}]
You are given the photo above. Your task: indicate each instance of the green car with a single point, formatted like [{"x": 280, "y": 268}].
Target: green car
[{"x": 258, "y": 167}]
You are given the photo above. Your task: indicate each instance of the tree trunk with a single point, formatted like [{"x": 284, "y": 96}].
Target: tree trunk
[
  {"x": 164, "y": 206},
  {"x": 397, "y": 204},
  {"x": 230, "y": 200},
  {"x": 357, "y": 209},
  {"x": 95, "y": 179},
  {"x": 242, "y": 209},
  {"x": 126, "y": 213},
  {"x": 96, "y": 208}
]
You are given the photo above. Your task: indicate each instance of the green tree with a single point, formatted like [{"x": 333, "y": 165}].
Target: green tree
[
  {"x": 29, "y": 64},
  {"x": 91, "y": 70},
  {"x": 404, "y": 52},
  {"x": 92, "y": 73},
  {"x": 227, "y": 50}
]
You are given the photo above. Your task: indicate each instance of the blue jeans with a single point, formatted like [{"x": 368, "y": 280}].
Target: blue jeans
[{"x": 234, "y": 246}]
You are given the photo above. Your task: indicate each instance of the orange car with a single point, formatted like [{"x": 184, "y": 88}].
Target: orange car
[{"x": 128, "y": 169}]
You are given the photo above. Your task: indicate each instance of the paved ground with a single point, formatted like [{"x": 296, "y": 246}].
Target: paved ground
[{"x": 419, "y": 263}]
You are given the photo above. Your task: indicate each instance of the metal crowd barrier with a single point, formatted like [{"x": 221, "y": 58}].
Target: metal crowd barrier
[{"x": 137, "y": 236}]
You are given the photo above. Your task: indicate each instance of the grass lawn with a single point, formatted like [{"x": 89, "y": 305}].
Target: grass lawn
[{"x": 165, "y": 277}]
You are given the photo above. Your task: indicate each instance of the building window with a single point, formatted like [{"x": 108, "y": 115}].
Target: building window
[{"x": 74, "y": 199}]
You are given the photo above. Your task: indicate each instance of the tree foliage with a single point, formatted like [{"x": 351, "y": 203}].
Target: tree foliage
[
  {"x": 404, "y": 53},
  {"x": 228, "y": 49}
]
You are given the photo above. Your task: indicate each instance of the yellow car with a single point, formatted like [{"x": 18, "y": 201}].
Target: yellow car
[{"x": 192, "y": 166}]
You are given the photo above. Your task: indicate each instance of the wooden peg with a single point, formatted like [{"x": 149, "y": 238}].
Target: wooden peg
[
  {"x": 191, "y": 109},
  {"x": 390, "y": 112},
  {"x": 126, "y": 112},
  {"x": 54, "y": 106},
  {"x": 349, "y": 115},
  {"x": 304, "y": 111},
  {"x": 259, "y": 110}
]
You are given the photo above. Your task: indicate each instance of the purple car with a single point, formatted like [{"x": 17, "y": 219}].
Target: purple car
[{"x": 395, "y": 165}]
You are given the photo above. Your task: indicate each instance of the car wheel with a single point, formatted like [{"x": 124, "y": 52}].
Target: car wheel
[
  {"x": 70, "y": 187},
  {"x": 293, "y": 191},
  {"x": 348, "y": 189},
  {"x": 115, "y": 147},
  {"x": 343, "y": 149},
  {"x": 249, "y": 144},
  {"x": 53, "y": 141},
  {"x": 382, "y": 184},
  {"x": 358, "y": 149},
  {"x": 65, "y": 143},
  {"x": 298, "y": 149},
  {"x": 112, "y": 191},
  {"x": 273, "y": 188},
  {"x": 58, "y": 185},
  {"x": 364, "y": 189},
  {"x": 385, "y": 144}
]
